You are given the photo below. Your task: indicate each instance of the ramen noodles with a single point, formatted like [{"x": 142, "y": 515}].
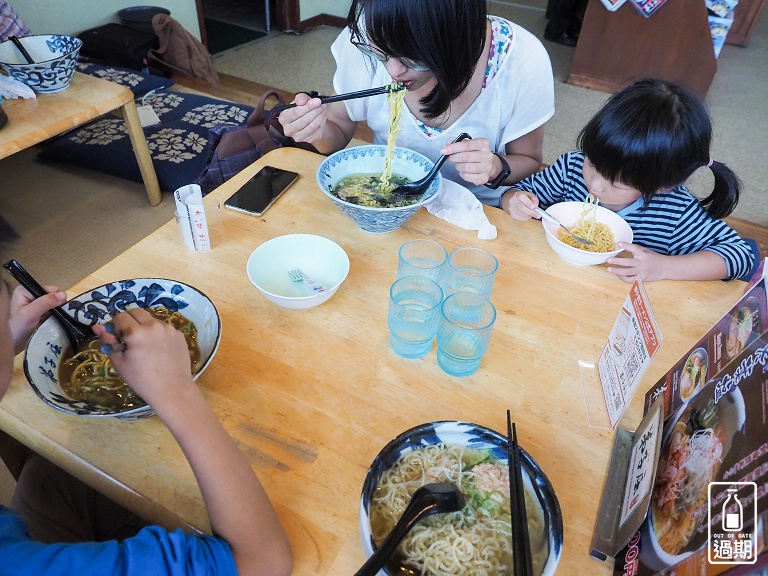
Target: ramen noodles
[
  {"x": 690, "y": 460},
  {"x": 477, "y": 539},
  {"x": 88, "y": 375},
  {"x": 366, "y": 190},
  {"x": 588, "y": 228},
  {"x": 375, "y": 190}
]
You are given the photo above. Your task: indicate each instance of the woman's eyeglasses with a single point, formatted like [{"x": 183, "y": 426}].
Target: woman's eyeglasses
[{"x": 377, "y": 54}]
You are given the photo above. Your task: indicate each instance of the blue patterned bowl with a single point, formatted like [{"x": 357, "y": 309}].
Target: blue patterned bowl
[
  {"x": 55, "y": 58},
  {"x": 479, "y": 438},
  {"x": 47, "y": 345},
  {"x": 370, "y": 160}
]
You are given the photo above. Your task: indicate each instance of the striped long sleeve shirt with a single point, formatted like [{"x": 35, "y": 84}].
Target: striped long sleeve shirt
[{"x": 673, "y": 222}]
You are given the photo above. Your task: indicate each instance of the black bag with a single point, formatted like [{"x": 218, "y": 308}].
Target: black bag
[
  {"x": 233, "y": 148},
  {"x": 117, "y": 45}
]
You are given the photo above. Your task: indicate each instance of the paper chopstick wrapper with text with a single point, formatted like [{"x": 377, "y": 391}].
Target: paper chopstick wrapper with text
[{"x": 191, "y": 213}]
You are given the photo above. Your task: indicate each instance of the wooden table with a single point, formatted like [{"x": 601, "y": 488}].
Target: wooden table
[
  {"x": 32, "y": 121},
  {"x": 311, "y": 396}
]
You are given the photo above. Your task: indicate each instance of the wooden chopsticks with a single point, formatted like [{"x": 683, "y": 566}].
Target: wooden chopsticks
[
  {"x": 394, "y": 87},
  {"x": 521, "y": 548}
]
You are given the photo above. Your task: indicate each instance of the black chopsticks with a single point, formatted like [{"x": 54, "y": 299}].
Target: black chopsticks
[
  {"x": 521, "y": 547},
  {"x": 394, "y": 87},
  {"x": 23, "y": 50}
]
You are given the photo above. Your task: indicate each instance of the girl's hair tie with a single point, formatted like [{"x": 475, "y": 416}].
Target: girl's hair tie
[{"x": 710, "y": 163}]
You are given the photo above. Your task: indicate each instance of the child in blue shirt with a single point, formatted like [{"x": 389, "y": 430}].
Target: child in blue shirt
[
  {"x": 634, "y": 156},
  {"x": 248, "y": 536}
]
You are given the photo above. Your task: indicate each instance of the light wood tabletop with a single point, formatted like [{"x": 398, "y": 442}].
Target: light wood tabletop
[
  {"x": 31, "y": 121},
  {"x": 311, "y": 396}
]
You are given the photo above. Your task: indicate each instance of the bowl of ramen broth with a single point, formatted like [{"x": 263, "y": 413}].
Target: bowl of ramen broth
[
  {"x": 48, "y": 358},
  {"x": 369, "y": 161},
  {"x": 440, "y": 449},
  {"x": 568, "y": 213}
]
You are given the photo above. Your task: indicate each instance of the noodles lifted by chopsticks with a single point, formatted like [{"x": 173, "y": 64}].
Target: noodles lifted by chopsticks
[
  {"x": 588, "y": 228},
  {"x": 395, "y": 103}
]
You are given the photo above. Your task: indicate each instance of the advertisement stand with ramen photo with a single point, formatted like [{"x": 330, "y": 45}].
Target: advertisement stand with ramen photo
[
  {"x": 610, "y": 384},
  {"x": 709, "y": 501},
  {"x": 738, "y": 328}
]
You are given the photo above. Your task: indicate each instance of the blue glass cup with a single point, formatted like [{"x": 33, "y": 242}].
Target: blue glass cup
[
  {"x": 464, "y": 333},
  {"x": 421, "y": 257},
  {"x": 414, "y": 313},
  {"x": 471, "y": 270}
]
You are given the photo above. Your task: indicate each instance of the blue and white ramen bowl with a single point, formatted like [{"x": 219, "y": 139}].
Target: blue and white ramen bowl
[
  {"x": 477, "y": 437},
  {"x": 55, "y": 57},
  {"x": 49, "y": 343},
  {"x": 370, "y": 160}
]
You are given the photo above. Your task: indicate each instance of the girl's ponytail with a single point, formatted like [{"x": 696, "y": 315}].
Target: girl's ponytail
[{"x": 725, "y": 195}]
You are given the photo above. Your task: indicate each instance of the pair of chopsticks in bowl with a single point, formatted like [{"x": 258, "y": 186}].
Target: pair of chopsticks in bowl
[
  {"x": 393, "y": 87},
  {"x": 521, "y": 546}
]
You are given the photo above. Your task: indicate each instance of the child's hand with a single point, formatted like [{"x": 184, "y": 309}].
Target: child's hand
[
  {"x": 28, "y": 312},
  {"x": 305, "y": 122},
  {"x": 521, "y": 205},
  {"x": 474, "y": 160},
  {"x": 155, "y": 362},
  {"x": 645, "y": 264}
]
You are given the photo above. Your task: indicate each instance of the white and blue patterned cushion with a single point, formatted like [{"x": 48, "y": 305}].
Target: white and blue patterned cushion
[
  {"x": 139, "y": 82},
  {"x": 178, "y": 145}
]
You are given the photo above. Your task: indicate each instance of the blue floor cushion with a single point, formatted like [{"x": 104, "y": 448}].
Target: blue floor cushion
[
  {"x": 178, "y": 145},
  {"x": 139, "y": 82}
]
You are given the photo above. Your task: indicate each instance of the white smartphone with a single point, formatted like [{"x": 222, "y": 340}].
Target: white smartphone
[{"x": 261, "y": 191}]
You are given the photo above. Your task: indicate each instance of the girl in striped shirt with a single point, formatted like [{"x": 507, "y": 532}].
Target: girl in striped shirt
[{"x": 634, "y": 156}]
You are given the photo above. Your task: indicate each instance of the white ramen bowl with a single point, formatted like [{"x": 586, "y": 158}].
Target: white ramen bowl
[
  {"x": 47, "y": 345},
  {"x": 568, "y": 213},
  {"x": 55, "y": 57},
  {"x": 318, "y": 257},
  {"x": 370, "y": 160},
  {"x": 479, "y": 438}
]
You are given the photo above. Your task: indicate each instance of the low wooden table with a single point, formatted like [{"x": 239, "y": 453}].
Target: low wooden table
[
  {"x": 311, "y": 396},
  {"x": 32, "y": 121}
]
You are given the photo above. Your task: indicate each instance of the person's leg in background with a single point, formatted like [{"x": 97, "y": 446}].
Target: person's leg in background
[{"x": 564, "y": 19}]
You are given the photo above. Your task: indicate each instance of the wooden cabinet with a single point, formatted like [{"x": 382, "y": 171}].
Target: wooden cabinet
[
  {"x": 617, "y": 48},
  {"x": 745, "y": 16}
]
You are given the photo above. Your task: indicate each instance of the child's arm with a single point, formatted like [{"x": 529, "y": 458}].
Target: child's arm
[
  {"x": 649, "y": 265},
  {"x": 520, "y": 204},
  {"x": 156, "y": 364}
]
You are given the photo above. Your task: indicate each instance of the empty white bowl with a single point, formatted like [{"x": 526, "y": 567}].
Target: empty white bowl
[
  {"x": 370, "y": 160},
  {"x": 568, "y": 213},
  {"x": 47, "y": 345},
  {"x": 319, "y": 258},
  {"x": 55, "y": 58}
]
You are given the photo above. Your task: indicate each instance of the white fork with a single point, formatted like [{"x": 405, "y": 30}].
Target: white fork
[{"x": 296, "y": 275}]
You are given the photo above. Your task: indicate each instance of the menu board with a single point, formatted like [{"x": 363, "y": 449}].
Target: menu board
[
  {"x": 632, "y": 344},
  {"x": 745, "y": 322},
  {"x": 709, "y": 505}
]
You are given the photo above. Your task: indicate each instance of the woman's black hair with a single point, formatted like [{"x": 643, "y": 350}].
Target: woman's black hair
[
  {"x": 652, "y": 136},
  {"x": 445, "y": 35}
]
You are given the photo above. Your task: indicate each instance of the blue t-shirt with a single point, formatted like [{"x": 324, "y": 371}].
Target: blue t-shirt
[{"x": 153, "y": 551}]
